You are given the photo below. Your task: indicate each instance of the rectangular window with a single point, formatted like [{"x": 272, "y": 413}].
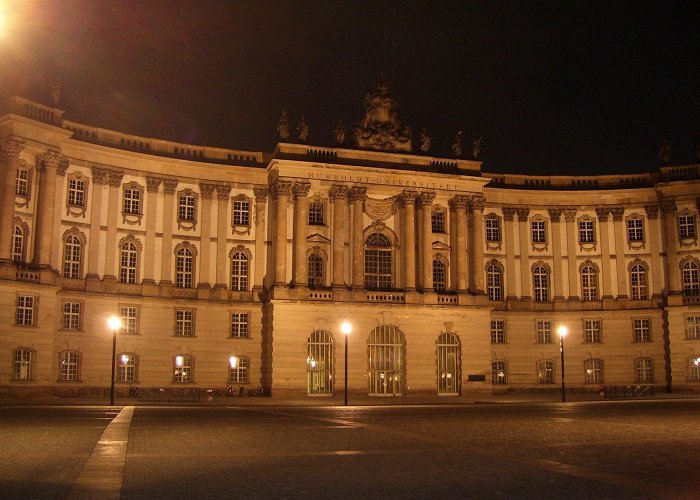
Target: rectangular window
[
  {"x": 316, "y": 210},
  {"x": 76, "y": 192},
  {"x": 238, "y": 370},
  {"x": 186, "y": 208},
  {"x": 129, "y": 316},
  {"x": 437, "y": 221},
  {"x": 642, "y": 331},
  {"x": 498, "y": 331},
  {"x": 22, "y": 183},
  {"x": 132, "y": 201},
  {"x": 239, "y": 325},
  {"x": 545, "y": 372},
  {"x": 68, "y": 366},
  {"x": 635, "y": 229},
  {"x": 593, "y": 371},
  {"x": 22, "y": 367},
  {"x": 71, "y": 315},
  {"x": 184, "y": 323},
  {"x": 585, "y": 231},
  {"x": 644, "y": 370},
  {"x": 25, "y": 310},
  {"x": 241, "y": 215},
  {"x": 686, "y": 226},
  {"x": 544, "y": 331},
  {"x": 493, "y": 229},
  {"x": 183, "y": 369},
  {"x": 539, "y": 233},
  {"x": 127, "y": 368},
  {"x": 591, "y": 331},
  {"x": 692, "y": 327}
]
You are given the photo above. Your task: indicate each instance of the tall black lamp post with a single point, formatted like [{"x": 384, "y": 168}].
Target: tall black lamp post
[
  {"x": 346, "y": 328},
  {"x": 115, "y": 324},
  {"x": 562, "y": 330}
]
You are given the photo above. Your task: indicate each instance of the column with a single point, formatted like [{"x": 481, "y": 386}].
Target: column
[
  {"x": 48, "y": 162},
  {"x": 425, "y": 202},
  {"x": 357, "y": 196},
  {"x": 223, "y": 196},
  {"x": 99, "y": 179},
  {"x": 301, "y": 219},
  {"x": 10, "y": 157},
  {"x": 477, "y": 252},
  {"x": 555, "y": 217},
  {"x": 668, "y": 207},
  {"x": 260, "y": 249},
  {"x": 509, "y": 243},
  {"x": 207, "y": 191},
  {"x": 523, "y": 214},
  {"x": 458, "y": 205},
  {"x": 114, "y": 180},
  {"x": 152, "y": 185},
  {"x": 654, "y": 238},
  {"x": 603, "y": 215},
  {"x": 619, "y": 231},
  {"x": 281, "y": 191},
  {"x": 570, "y": 217},
  {"x": 407, "y": 199},
  {"x": 338, "y": 195},
  {"x": 166, "y": 269}
]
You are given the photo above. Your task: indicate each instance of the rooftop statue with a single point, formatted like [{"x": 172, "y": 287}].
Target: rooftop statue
[
  {"x": 457, "y": 145},
  {"x": 55, "y": 93},
  {"x": 380, "y": 128},
  {"x": 476, "y": 145},
  {"x": 339, "y": 132},
  {"x": 283, "y": 127},
  {"x": 665, "y": 151},
  {"x": 424, "y": 141},
  {"x": 303, "y": 129}
]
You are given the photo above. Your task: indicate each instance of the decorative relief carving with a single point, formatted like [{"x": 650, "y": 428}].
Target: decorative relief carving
[
  {"x": 207, "y": 190},
  {"x": 49, "y": 159},
  {"x": 425, "y": 199},
  {"x": 169, "y": 186},
  {"x": 281, "y": 188},
  {"x": 261, "y": 193},
  {"x": 407, "y": 198},
  {"x": 668, "y": 206},
  {"x": 152, "y": 184},
  {"x": 477, "y": 202},
  {"x": 114, "y": 178},
  {"x": 523, "y": 213},
  {"x": 223, "y": 192},
  {"x": 570, "y": 214},
  {"x": 652, "y": 211},
  {"x": 555, "y": 214},
  {"x": 301, "y": 189},
  {"x": 337, "y": 192},
  {"x": 458, "y": 201},
  {"x": 99, "y": 175},
  {"x": 12, "y": 149},
  {"x": 380, "y": 129},
  {"x": 603, "y": 213},
  {"x": 509, "y": 213},
  {"x": 617, "y": 213},
  {"x": 380, "y": 210},
  {"x": 63, "y": 166},
  {"x": 357, "y": 193}
]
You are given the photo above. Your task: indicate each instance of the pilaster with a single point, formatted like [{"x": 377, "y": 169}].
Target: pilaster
[
  {"x": 301, "y": 218},
  {"x": 357, "y": 195},
  {"x": 338, "y": 194}
]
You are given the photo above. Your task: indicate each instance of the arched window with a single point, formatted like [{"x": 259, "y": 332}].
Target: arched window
[
  {"x": 499, "y": 372},
  {"x": 126, "y": 363},
  {"x": 439, "y": 276},
  {"x": 638, "y": 282},
  {"x": 448, "y": 364},
  {"x": 643, "y": 370},
  {"x": 239, "y": 271},
  {"x": 319, "y": 363},
  {"x": 128, "y": 262},
  {"x": 691, "y": 284},
  {"x": 377, "y": 262},
  {"x": 18, "y": 244},
  {"x": 238, "y": 369},
  {"x": 593, "y": 371},
  {"x": 386, "y": 349},
  {"x": 72, "y": 251},
  {"x": 494, "y": 281},
  {"x": 69, "y": 366},
  {"x": 545, "y": 372},
  {"x": 22, "y": 368},
  {"x": 182, "y": 368},
  {"x": 315, "y": 268},
  {"x": 540, "y": 282},
  {"x": 184, "y": 266},
  {"x": 589, "y": 283}
]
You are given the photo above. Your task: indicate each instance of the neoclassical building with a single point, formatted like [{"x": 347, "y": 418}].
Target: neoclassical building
[{"x": 237, "y": 268}]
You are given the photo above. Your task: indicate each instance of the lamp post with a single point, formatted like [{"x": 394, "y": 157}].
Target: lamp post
[
  {"x": 114, "y": 324},
  {"x": 346, "y": 328},
  {"x": 562, "y": 330}
]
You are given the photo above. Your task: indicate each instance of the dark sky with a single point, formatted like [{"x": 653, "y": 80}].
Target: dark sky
[{"x": 553, "y": 87}]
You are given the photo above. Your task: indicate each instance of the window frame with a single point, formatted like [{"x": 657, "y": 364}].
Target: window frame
[
  {"x": 543, "y": 331},
  {"x": 497, "y": 329},
  {"x": 499, "y": 372},
  {"x": 23, "y": 365},
  {"x": 73, "y": 251},
  {"x": 494, "y": 233},
  {"x": 690, "y": 276},
  {"x": 594, "y": 371},
  {"x": 72, "y": 315},
  {"x": 183, "y": 369},
  {"x": 240, "y": 280},
  {"x": 641, "y": 330},
  {"x": 316, "y": 268},
  {"x": 240, "y": 211},
  {"x": 378, "y": 262},
  {"x": 440, "y": 274},
  {"x": 239, "y": 325},
  {"x": 132, "y": 199},
  {"x": 317, "y": 212},
  {"x": 68, "y": 359},
  {"x": 185, "y": 265},
  {"x": 586, "y": 235},
  {"x": 540, "y": 283},
  {"x": 644, "y": 374},
  {"x": 239, "y": 374},
  {"x": 639, "y": 280},
  {"x": 123, "y": 368},
  {"x": 687, "y": 226},
  {"x": 26, "y": 304},
  {"x": 692, "y": 326},
  {"x": 545, "y": 372},
  {"x": 184, "y": 322},
  {"x": 636, "y": 233},
  {"x": 438, "y": 220},
  {"x": 538, "y": 230},
  {"x": 592, "y": 331},
  {"x": 588, "y": 273}
]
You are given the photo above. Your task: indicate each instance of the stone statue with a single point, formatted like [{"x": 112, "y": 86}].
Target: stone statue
[
  {"x": 457, "y": 145},
  {"x": 697, "y": 148},
  {"x": 55, "y": 93},
  {"x": 424, "y": 141},
  {"x": 283, "y": 127},
  {"x": 476, "y": 145},
  {"x": 339, "y": 132},
  {"x": 303, "y": 129},
  {"x": 665, "y": 151},
  {"x": 380, "y": 129}
]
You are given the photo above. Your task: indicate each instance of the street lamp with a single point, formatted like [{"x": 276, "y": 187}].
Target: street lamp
[
  {"x": 115, "y": 324},
  {"x": 562, "y": 331},
  {"x": 346, "y": 328}
]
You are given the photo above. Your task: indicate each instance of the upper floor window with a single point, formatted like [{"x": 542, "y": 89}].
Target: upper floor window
[
  {"x": 544, "y": 331},
  {"x": 538, "y": 229},
  {"x": 241, "y": 212},
  {"x": 494, "y": 281},
  {"x": 378, "y": 267},
  {"x": 437, "y": 220},
  {"x": 184, "y": 322},
  {"x": 589, "y": 283},
  {"x": 439, "y": 276},
  {"x": 22, "y": 182},
  {"x": 129, "y": 316},
  {"x": 239, "y": 325},
  {"x": 642, "y": 329},
  {"x": 183, "y": 367},
  {"x": 315, "y": 270},
  {"x": 593, "y": 371},
  {"x": 635, "y": 229},
  {"x": 72, "y": 251},
  {"x": 239, "y": 271},
  {"x": 18, "y": 244},
  {"x": 499, "y": 372},
  {"x": 493, "y": 229},
  {"x": 638, "y": 281},
  {"x": 69, "y": 366},
  {"x": 686, "y": 226},
  {"x": 132, "y": 200},
  {"x": 540, "y": 278},
  {"x": 691, "y": 283},
  {"x": 72, "y": 316},
  {"x": 128, "y": 262},
  {"x": 591, "y": 331},
  {"x": 184, "y": 268},
  {"x": 76, "y": 192},
  {"x": 586, "y": 231},
  {"x": 692, "y": 327},
  {"x": 317, "y": 214},
  {"x": 23, "y": 364},
  {"x": 186, "y": 207},
  {"x": 498, "y": 331},
  {"x": 24, "y": 315}
]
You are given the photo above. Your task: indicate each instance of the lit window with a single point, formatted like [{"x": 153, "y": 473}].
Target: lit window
[
  {"x": 686, "y": 226},
  {"x": 494, "y": 282},
  {"x": 76, "y": 192},
  {"x": 692, "y": 327},
  {"x": 319, "y": 363},
  {"x": 539, "y": 232},
  {"x": 184, "y": 322},
  {"x": 182, "y": 369},
  {"x": 437, "y": 221},
  {"x": 644, "y": 370},
  {"x": 241, "y": 213},
  {"x": 544, "y": 331},
  {"x": 642, "y": 330},
  {"x": 545, "y": 372},
  {"x": 589, "y": 283},
  {"x": 128, "y": 260},
  {"x": 691, "y": 284},
  {"x": 540, "y": 277},
  {"x": 239, "y": 271},
  {"x": 499, "y": 372},
  {"x": 448, "y": 361},
  {"x": 132, "y": 201},
  {"x": 69, "y": 366},
  {"x": 22, "y": 365},
  {"x": 439, "y": 276},
  {"x": 593, "y": 370},
  {"x": 129, "y": 315},
  {"x": 184, "y": 266},
  {"x": 498, "y": 331},
  {"x": 694, "y": 368},
  {"x": 638, "y": 282},
  {"x": 377, "y": 262},
  {"x": 25, "y": 310},
  {"x": 238, "y": 370},
  {"x": 315, "y": 268},
  {"x": 316, "y": 213},
  {"x": 71, "y": 315},
  {"x": 71, "y": 257},
  {"x": 635, "y": 229},
  {"x": 591, "y": 331},
  {"x": 127, "y": 367},
  {"x": 386, "y": 349},
  {"x": 185, "y": 211},
  {"x": 493, "y": 229},
  {"x": 586, "y": 233},
  {"x": 239, "y": 325}
]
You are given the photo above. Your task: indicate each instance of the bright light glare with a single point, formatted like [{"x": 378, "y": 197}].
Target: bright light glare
[
  {"x": 233, "y": 361},
  {"x": 562, "y": 331},
  {"x": 114, "y": 323},
  {"x": 346, "y": 328}
]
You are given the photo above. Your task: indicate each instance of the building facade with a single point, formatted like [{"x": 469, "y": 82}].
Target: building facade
[{"x": 237, "y": 268}]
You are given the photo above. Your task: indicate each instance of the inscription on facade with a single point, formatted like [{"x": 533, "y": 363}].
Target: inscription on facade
[{"x": 382, "y": 180}]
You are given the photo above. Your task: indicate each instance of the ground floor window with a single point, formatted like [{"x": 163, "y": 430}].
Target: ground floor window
[
  {"x": 499, "y": 372},
  {"x": 69, "y": 366},
  {"x": 238, "y": 370},
  {"x": 127, "y": 367},
  {"x": 182, "y": 371},
  {"x": 319, "y": 363},
  {"x": 694, "y": 368},
  {"x": 386, "y": 349},
  {"x": 448, "y": 373},
  {"x": 545, "y": 372},
  {"x": 593, "y": 369},
  {"x": 644, "y": 370},
  {"x": 22, "y": 369}
]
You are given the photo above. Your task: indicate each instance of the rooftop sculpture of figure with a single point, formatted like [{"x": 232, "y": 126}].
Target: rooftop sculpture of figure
[
  {"x": 283, "y": 127},
  {"x": 457, "y": 145},
  {"x": 424, "y": 141},
  {"x": 55, "y": 93},
  {"x": 303, "y": 130},
  {"x": 476, "y": 145},
  {"x": 339, "y": 132},
  {"x": 665, "y": 151}
]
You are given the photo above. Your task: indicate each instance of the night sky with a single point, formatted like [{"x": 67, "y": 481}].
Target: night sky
[{"x": 552, "y": 87}]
